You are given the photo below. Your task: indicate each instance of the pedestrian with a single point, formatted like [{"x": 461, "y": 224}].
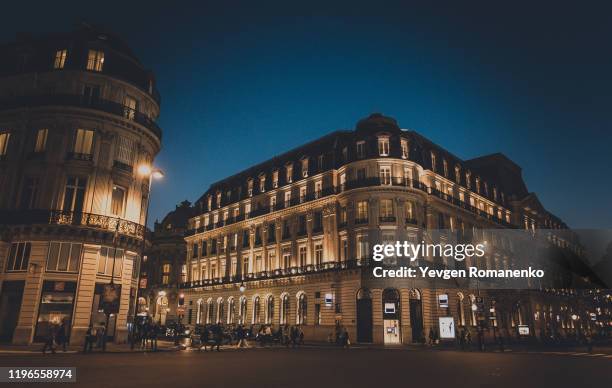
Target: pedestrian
[
  {"x": 153, "y": 336},
  {"x": 102, "y": 333},
  {"x": 204, "y": 337},
  {"x": 294, "y": 336},
  {"x": 49, "y": 340},
  {"x": 216, "y": 331},
  {"x": 62, "y": 335},
  {"x": 301, "y": 336},
  {"x": 345, "y": 338},
  {"x": 89, "y": 339},
  {"x": 462, "y": 336},
  {"x": 143, "y": 335},
  {"x": 468, "y": 340},
  {"x": 241, "y": 335},
  {"x": 431, "y": 336}
]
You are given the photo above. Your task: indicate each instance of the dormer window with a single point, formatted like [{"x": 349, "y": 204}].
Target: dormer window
[
  {"x": 262, "y": 183},
  {"x": 486, "y": 188},
  {"x": 60, "y": 59},
  {"x": 318, "y": 189},
  {"x": 383, "y": 146},
  {"x": 95, "y": 60},
  {"x": 478, "y": 185},
  {"x": 404, "y": 144},
  {"x": 320, "y": 162},
  {"x": 432, "y": 155},
  {"x": 305, "y": 167},
  {"x": 495, "y": 194},
  {"x": 457, "y": 174},
  {"x": 302, "y": 194},
  {"x": 228, "y": 196},
  {"x": 209, "y": 203},
  {"x": 289, "y": 170},
  {"x": 218, "y": 200},
  {"x": 445, "y": 167},
  {"x": 361, "y": 149},
  {"x": 275, "y": 179},
  {"x": 468, "y": 179},
  {"x": 345, "y": 154},
  {"x": 250, "y": 187}
]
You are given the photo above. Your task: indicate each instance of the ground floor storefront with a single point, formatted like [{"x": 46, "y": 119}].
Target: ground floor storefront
[
  {"x": 45, "y": 284},
  {"x": 320, "y": 304}
]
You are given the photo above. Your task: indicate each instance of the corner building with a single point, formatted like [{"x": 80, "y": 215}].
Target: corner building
[
  {"x": 77, "y": 120},
  {"x": 288, "y": 241}
]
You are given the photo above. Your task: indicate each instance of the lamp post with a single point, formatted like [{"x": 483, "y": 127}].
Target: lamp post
[{"x": 148, "y": 172}]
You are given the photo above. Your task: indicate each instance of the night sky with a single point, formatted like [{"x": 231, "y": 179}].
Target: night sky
[{"x": 244, "y": 81}]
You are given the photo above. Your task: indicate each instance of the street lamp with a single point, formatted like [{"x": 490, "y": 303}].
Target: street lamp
[{"x": 145, "y": 171}]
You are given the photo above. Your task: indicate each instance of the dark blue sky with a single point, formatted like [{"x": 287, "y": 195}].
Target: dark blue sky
[{"x": 244, "y": 81}]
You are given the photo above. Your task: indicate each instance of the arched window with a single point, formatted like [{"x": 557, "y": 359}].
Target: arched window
[
  {"x": 256, "y": 310},
  {"x": 284, "y": 312},
  {"x": 211, "y": 311},
  {"x": 302, "y": 309},
  {"x": 220, "y": 310},
  {"x": 460, "y": 310},
  {"x": 200, "y": 312},
  {"x": 270, "y": 309},
  {"x": 243, "y": 310},
  {"x": 231, "y": 310}
]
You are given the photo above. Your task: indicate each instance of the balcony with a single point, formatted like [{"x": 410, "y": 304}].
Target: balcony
[
  {"x": 123, "y": 166},
  {"x": 79, "y": 156},
  {"x": 386, "y": 219},
  {"x": 80, "y": 101},
  {"x": 61, "y": 217}
]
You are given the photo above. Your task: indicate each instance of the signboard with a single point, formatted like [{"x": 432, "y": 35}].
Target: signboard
[
  {"x": 523, "y": 330},
  {"x": 389, "y": 308},
  {"x": 447, "y": 328},
  {"x": 329, "y": 299},
  {"x": 109, "y": 300},
  {"x": 443, "y": 300}
]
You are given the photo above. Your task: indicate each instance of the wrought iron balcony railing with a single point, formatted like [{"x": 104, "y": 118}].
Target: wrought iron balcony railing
[{"x": 61, "y": 217}]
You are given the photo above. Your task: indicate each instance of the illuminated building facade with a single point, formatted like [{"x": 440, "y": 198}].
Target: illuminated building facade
[
  {"x": 77, "y": 139},
  {"x": 288, "y": 241}
]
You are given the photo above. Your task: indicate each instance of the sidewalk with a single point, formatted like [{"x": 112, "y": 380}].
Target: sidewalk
[{"x": 162, "y": 346}]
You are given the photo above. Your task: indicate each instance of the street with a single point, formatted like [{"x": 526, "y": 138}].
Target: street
[{"x": 328, "y": 367}]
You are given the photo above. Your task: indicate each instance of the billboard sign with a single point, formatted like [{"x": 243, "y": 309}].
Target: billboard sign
[{"x": 447, "y": 328}]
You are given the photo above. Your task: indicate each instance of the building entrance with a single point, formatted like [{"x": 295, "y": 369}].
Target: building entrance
[
  {"x": 416, "y": 316},
  {"x": 391, "y": 317},
  {"x": 10, "y": 305},
  {"x": 364, "y": 316}
]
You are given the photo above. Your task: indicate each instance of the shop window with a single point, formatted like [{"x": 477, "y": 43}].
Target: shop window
[{"x": 19, "y": 256}]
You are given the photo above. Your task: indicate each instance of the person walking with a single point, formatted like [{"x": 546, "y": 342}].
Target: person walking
[
  {"x": 294, "y": 336},
  {"x": 431, "y": 336},
  {"x": 204, "y": 338},
  {"x": 62, "y": 335},
  {"x": 89, "y": 339},
  {"x": 217, "y": 336},
  {"x": 153, "y": 336},
  {"x": 49, "y": 340},
  {"x": 345, "y": 338}
]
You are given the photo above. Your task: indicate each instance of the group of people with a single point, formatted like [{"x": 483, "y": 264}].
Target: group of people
[
  {"x": 95, "y": 335},
  {"x": 214, "y": 336},
  {"x": 56, "y": 336},
  {"x": 144, "y": 334},
  {"x": 340, "y": 337}
]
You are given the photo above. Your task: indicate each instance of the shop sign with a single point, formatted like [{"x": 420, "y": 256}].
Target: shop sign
[
  {"x": 443, "y": 300},
  {"x": 523, "y": 330}
]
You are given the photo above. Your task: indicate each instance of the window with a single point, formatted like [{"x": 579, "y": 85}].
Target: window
[
  {"x": 250, "y": 187},
  {"x": 118, "y": 201},
  {"x": 275, "y": 179},
  {"x": 407, "y": 176},
  {"x": 166, "y": 273},
  {"x": 321, "y": 162},
  {"x": 302, "y": 256},
  {"x": 105, "y": 261},
  {"x": 318, "y": 189},
  {"x": 404, "y": 144},
  {"x": 432, "y": 155},
  {"x": 457, "y": 174},
  {"x": 262, "y": 183},
  {"x": 29, "y": 193},
  {"x": 385, "y": 175},
  {"x": 287, "y": 198},
  {"x": 361, "y": 174},
  {"x": 83, "y": 141},
  {"x": 41, "y": 140},
  {"x": 91, "y": 94},
  {"x": 284, "y": 310},
  {"x": 270, "y": 309},
  {"x": 305, "y": 167},
  {"x": 362, "y": 247},
  {"x": 4, "y": 138},
  {"x": 74, "y": 194},
  {"x": 344, "y": 249},
  {"x": 345, "y": 154},
  {"x": 64, "y": 257},
  {"x": 213, "y": 271},
  {"x": 343, "y": 215},
  {"x": 361, "y": 149},
  {"x": 478, "y": 185},
  {"x": 258, "y": 263},
  {"x": 183, "y": 273},
  {"x": 445, "y": 167},
  {"x": 318, "y": 248},
  {"x": 342, "y": 181},
  {"x": 302, "y": 309},
  {"x": 256, "y": 310},
  {"x": 468, "y": 182},
  {"x": 130, "y": 106},
  {"x": 60, "y": 59},
  {"x": 125, "y": 150},
  {"x": 383, "y": 146},
  {"x": 362, "y": 210},
  {"x": 386, "y": 208},
  {"x": 302, "y": 194},
  {"x": 317, "y": 314},
  {"x": 19, "y": 256},
  {"x": 271, "y": 260},
  {"x": 409, "y": 210},
  {"x": 272, "y": 202},
  {"x": 289, "y": 176},
  {"x": 245, "y": 265},
  {"x": 286, "y": 257},
  {"x": 95, "y": 60}
]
